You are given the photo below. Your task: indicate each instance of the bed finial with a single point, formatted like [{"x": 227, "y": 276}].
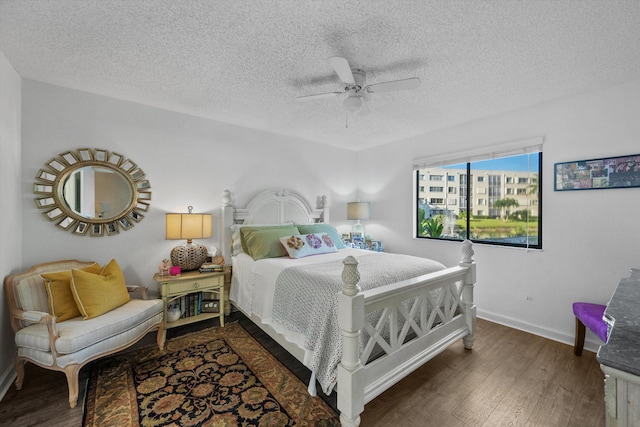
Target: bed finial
[
  {"x": 227, "y": 199},
  {"x": 467, "y": 252},
  {"x": 350, "y": 276}
]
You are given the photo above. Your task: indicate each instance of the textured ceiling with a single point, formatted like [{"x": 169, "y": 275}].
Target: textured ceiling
[{"x": 245, "y": 62}]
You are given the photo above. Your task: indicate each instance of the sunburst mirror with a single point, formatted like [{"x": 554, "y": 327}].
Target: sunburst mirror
[{"x": 92, "y": 192}]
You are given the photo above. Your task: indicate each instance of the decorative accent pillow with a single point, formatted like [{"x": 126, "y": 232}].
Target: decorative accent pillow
[
  {"x": 265, "y": 243},
  {"x": 96, "y": 294},
  {"x": 236, "y": 237},
  {"x": 244, "y": 229},
  {"x": 323, "y": 228},
  {"x": 59, "y": 295},
  {"x": 302, "y": 245}
]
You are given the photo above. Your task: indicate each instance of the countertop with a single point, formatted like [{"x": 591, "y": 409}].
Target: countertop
[{"x": 622, "y": 350}]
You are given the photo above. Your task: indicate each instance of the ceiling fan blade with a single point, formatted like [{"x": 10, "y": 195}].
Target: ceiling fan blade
[
  {"x": 406, "y": 84},
  {"x": 318, "y": 96},
  {"x": 342, "y": 69}
]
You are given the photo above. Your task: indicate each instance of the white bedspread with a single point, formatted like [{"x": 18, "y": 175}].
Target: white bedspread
[{"x": 303, "y": 306}]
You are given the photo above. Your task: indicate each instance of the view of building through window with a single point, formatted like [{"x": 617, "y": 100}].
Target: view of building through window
[{"x": 491, "y": 201}]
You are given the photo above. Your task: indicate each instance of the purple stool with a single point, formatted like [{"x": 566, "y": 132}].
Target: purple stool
[{"x": 591, "y": 316}]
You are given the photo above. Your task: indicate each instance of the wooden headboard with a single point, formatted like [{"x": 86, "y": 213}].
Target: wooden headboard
[{"x": 274, "y": 206}]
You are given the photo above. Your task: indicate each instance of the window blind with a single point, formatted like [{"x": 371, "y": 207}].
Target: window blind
[{"x": 533, "y": 145}]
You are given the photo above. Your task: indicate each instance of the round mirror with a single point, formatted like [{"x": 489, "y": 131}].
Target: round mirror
[
  {"x": 92, "y": 191},
  {"x": 96, "y": 192}
]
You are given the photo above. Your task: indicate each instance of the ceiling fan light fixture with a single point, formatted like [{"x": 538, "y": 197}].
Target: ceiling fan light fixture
[{"x": 352, "y": 104}]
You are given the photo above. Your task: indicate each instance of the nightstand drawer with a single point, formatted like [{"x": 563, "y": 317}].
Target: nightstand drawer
[{"x": 194, "y": 285}]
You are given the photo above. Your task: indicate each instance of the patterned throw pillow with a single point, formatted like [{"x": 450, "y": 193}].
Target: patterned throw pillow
[
  {"x": 322, "y": 227},
  {"x": 302, "y": 245}
]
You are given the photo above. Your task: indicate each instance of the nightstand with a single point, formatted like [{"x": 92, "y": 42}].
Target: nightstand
[{"x": 187, "y": 291}]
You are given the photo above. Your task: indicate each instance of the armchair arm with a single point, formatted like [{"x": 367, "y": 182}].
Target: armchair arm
[
  {"x": 40, "y": 317},
  {"x": 144, "y": 291},
  {"x": 34, "y": 316}
]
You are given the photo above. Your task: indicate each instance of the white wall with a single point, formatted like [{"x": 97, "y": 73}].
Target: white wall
[
  {"x": 188, "y": 161},
  {"x": 590, "y": 238},
  {"x": 11, "y": 212}
]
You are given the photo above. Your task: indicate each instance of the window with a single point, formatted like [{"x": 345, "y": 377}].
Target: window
[
  {"x": 436, "y": 177},
  {"x": 501, "y": 216}
]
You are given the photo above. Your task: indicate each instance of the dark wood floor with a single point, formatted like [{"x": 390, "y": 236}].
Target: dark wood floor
[{"x": 511, "y": 378}]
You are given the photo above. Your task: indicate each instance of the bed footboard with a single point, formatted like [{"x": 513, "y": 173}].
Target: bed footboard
[{"x": 418, "y": 318}]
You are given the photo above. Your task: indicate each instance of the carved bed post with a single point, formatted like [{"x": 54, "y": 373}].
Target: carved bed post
[
  {"x": 226, "y": 221},
  {"x": 467, "y": 292},
  {"x": 324, "y": 205},
  {"x": 350, "y": 321}
]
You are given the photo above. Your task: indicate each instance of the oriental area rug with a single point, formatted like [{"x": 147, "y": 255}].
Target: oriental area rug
[{"x": 214, "y": 377}]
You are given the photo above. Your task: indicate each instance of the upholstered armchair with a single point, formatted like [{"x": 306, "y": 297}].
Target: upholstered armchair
[{"x": 68, "y": 345}]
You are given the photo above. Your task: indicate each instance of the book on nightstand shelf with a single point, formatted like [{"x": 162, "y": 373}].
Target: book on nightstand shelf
[
  {"x": 189, "y": 305},
  {"x": 209, "y": 267}
]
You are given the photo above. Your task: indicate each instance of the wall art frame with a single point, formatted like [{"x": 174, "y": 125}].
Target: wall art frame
[{"x": 598, "y": 174}]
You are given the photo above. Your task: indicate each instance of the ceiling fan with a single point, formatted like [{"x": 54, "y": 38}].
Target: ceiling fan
[{"x": 355, "y": 86}]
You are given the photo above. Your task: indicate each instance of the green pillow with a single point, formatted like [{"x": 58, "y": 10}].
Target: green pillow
[
  {"x": 323, "y": 228},
  {"x": 244, "y": 229},
  {"x": 265, "y": 243}
]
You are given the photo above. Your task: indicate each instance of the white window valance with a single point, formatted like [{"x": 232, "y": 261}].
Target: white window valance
[{"x": 533, "y": 145}]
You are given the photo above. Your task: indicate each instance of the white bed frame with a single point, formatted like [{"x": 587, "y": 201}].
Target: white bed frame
[{"x": 444, "y": 316}]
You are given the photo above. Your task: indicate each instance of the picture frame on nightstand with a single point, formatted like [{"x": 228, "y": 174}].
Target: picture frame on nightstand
[{"x": 210, "y": 306}]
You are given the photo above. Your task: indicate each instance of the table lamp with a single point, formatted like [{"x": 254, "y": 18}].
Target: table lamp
[
  {"x": 188, "y": 226},
  {"x": 358, "y": 211}
]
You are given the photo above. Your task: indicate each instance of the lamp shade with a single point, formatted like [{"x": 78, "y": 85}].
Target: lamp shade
[
  {"x": 358, "y": 210},
  {"x": 188, "y": 226},
  {"x": 352, "y": 104}
]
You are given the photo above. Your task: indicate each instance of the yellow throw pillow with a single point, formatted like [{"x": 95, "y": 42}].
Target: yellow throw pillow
[
  {"x": 96, "y": 294},
  {"x": 59, "y": 295}
]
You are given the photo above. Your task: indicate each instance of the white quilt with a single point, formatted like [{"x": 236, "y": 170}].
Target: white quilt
[{"x": 297, "y": 297}]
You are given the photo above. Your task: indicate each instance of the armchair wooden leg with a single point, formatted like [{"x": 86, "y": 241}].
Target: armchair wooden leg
[
  {"x": 579, "y": 340},
  {"x": 72, "y": 372},
  {"x": 19, "y": 372},
  {"x": 162, "y": 336}
]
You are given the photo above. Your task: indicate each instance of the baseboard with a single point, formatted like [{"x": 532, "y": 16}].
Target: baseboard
[
  {"x": 589, "y": 344},
  {"x": 7, "y": 379}
]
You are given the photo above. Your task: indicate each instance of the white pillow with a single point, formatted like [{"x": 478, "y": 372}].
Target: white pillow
[{"x": 303, "y": 245}]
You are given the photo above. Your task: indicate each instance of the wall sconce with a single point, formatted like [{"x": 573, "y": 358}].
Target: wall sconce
[
  {"x": 358, "y": 211},
  {"x": 188, "y": 226}
]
